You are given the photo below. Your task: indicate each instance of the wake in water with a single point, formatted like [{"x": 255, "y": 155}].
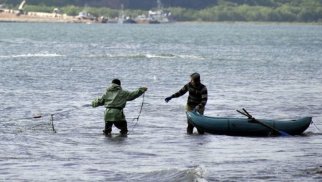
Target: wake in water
[
  {"x": 310, "y": 133},
  {"x": 145, "y": 56},
  {"x": 130, "y": 56},
  {"x": 193, "y": 174},
  {"x": 31, "y": 55}
]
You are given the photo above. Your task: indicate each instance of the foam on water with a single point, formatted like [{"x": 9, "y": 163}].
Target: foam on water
[
  {"x": 32, "y": 55},
  {"x": 193, "y": 174},
  {"x": 142, "y": 56}
]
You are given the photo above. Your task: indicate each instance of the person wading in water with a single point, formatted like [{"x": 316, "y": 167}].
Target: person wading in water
[
  {"x": 114, "y": 101},
  {"x": 197, "y": 98}
]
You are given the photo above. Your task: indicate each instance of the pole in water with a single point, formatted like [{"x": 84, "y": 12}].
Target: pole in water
[{"x": 52, "y": 123}]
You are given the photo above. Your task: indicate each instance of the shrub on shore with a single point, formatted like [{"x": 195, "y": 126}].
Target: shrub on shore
[{"x": 311, "y": 11}]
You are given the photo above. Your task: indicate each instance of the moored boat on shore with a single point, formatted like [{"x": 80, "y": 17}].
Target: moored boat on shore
[{"x": 155, "y": 17}]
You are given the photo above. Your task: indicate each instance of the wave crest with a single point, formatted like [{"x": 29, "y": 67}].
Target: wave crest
[
  {"x": 31, "y": 55},
  {"x": 147, "y": 56},
  {"x": 194, "y": 174}
]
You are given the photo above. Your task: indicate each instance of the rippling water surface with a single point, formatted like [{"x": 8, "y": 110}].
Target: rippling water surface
[{"x": 273, "y": 70}]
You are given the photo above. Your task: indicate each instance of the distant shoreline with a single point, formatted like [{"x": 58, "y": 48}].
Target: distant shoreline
[
  {"x": 252, "y": 22},
  {"x": 13, "y": 18}
]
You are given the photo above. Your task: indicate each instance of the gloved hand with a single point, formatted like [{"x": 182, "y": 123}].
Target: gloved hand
[
  {"x": 144, "y": 89},
  {"x": 198, "y": 108},
  {"x": 168, "y": 99}
]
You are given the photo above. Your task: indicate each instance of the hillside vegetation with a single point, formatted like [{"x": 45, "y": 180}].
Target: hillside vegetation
[{"x": 190, "y": 10}]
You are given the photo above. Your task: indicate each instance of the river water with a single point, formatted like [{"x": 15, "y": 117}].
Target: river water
[{"x": 272, "y": 70}]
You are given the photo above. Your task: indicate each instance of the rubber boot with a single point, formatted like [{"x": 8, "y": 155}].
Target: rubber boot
[
  {"x": 189, "y": 129},
  {"x": 123, "y": 132},
  {"x": 200, "y": 132},
  {"x": 108, "y": 129}
]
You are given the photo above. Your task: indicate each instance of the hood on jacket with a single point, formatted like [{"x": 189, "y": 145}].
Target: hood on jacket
[{"x": 114, "y": 87}]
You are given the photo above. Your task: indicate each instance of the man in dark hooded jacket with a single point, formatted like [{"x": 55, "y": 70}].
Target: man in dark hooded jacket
[
  {"x": 197, "y": 98},
  {"x": 114, "y": 101}
]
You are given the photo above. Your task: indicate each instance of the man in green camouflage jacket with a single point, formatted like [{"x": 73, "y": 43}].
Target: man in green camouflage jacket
[{"x": 114, "y": 101}]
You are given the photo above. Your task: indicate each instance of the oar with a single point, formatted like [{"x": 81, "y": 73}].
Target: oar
[
  {"x": 242, "y": 113},
  {"x": 245, "y": 113},
  {"x": 282, "y": 133}
]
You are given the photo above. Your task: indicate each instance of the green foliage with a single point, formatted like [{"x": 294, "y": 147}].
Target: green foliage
[
  {"x": 40, "y": 8},
  {"x": 220, "y": 10},
  {"x": 182, "y": 14},
  {"x": 71, "y": 10},
  {"x": 270, "y": 10}
]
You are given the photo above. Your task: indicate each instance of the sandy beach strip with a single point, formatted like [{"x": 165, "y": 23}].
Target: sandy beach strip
[{"x": 37, "y": 17}]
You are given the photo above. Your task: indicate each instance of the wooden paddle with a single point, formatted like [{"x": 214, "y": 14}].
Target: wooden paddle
[{"x": 274, "y": 130}]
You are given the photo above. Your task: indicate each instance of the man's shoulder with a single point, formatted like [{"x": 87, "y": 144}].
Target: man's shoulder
[
  {"x": 203, "y": 87},
  {"x": 189, "y": 84}
]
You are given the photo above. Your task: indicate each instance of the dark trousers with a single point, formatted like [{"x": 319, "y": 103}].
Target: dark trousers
[
  {"x": 190, "y": 126},
  {"x": 190, "y": 129},
  {"x": 122, "y": 125}
]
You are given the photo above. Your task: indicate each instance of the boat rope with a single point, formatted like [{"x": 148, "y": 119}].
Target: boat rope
[
  {"x": 316, "y": 126},
  {"x": 137, "y": 118}
]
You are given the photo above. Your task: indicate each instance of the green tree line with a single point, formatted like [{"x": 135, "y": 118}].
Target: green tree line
[
  {"x": 194, "y": 10},
  {"x": 311, "y": 12},
  {"x": 148, "y": 4}
]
